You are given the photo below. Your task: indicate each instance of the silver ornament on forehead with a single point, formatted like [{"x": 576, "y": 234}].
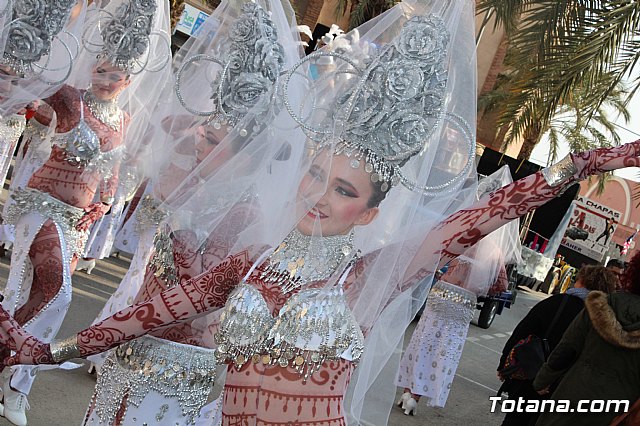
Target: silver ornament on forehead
[
  {"x": 394, "y": 107},
  {"x": 34, "y": 27},
  {"x": 126, "y": 37},
  {"x": 248, "y": 69}
]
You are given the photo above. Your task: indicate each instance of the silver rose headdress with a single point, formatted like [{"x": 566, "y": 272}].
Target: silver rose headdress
[
  {"x": 394, "y": 106},
  {"x": 250, "y": 68},
  {"x": 31, "y": 31},
  {"x": 126, "y": 37}
]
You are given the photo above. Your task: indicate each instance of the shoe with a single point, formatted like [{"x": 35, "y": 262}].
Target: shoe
[
  {"x": 92, "y": 369},
  {"x": 88, "y": 265},
  {"x": 410, "y": 406},
  {"x": 15, "y": 404},
  {"x": 405, "y": 396}
]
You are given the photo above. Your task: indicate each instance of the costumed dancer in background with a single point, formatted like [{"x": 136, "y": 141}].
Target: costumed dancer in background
[
  {"x": 39, "y": 45},
  {"x": 293, "y": 330},
  {"x": 252, "y": 45},
  {"x": 76, "y": 184},
  {"x": 430, "y": 361}
]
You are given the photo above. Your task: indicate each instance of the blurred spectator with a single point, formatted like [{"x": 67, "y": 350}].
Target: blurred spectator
[
  {"x": 598, "y": 357},
  {"x": 617, "y": 266},
  {"x": 538, "y": 321}
]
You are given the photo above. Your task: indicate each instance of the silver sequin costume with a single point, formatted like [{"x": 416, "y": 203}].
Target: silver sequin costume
[
  {"x": 170, "y": 380},
  {"x": 314, "y": 325},
  {"x": 430, "y": 361},
  {"x": 11, "y": 129}
]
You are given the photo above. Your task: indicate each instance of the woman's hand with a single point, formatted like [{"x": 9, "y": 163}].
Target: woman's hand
[
  {"x": 602, "y": 160},
  {"x": 93, "y": 213},
  {"x": 28, "y": 350}
]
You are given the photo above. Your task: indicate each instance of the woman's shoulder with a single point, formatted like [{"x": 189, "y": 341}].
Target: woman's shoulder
[
  {"x": 67, "y": 94},
  {"x": 616, "y": 317}
]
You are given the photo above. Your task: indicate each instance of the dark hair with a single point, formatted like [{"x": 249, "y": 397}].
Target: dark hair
[
  {"x": 630, "y": 279},
  {"x": 615, "y": 263},
  {"x": 378, "y": 194},
  {"x": 599, "y": 278}
]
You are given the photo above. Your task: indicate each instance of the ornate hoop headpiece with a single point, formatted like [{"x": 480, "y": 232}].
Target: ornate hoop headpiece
[
  {"x": 126, "y": 37},
  {"x": 33, "y": 27},
  {"x": 250, "y": 68},
  {"x": 394, "y": 107}
]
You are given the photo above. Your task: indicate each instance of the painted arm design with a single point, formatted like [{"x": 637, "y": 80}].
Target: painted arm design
[
  {"x": 211, "y": 289},
  {"x": 466, "y": 227},
  {"x": 188, "y": 300}
]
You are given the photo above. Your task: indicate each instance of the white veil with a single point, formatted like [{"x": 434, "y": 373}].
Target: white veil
[
  {"x": 482, "y": 265},
  {"x": 40, "y": 41},
  {"x": 310, "y": 119}
]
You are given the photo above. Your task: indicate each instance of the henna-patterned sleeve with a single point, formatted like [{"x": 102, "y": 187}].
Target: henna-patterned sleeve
[
  {"x": 65, "y": 103},
  {"x": 187, "y": 300},
  {"x": 466, "y": 227}
]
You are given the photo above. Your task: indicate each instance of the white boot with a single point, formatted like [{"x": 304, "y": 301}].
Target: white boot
[
  {"x": 410, "y": 406},
  {"x": 405, "y": 396},
  {"x": 14, "y": 404},
  {"x": 88, "y": 265}
]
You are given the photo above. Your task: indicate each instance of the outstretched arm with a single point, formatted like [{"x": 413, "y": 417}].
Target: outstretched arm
[
  {"x": 190, "y": 299},
  {"x": 466, "y": 227}
]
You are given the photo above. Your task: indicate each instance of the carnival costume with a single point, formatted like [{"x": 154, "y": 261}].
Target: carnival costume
[
  {"x": 73, "y": 188},
  {"x": 39, "y": 41},
  {"x": 300, "y": 308},
  {"x": 11, "y": 129},
  {"x": 167, "y": 253},
  {"x": 431, "y": 358}
]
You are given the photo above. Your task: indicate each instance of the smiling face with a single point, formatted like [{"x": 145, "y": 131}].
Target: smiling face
[
  {"x": 344, "y": 203},
  {"x": 108, "y": 81}
]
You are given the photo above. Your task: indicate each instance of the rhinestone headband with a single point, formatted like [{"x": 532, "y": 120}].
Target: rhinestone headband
[
  {"x": 251, "y": 66},
  {"x": 126, "y": 37},
  {"x": 34, "y": 26},
  {"x": 394, "y": 107}
]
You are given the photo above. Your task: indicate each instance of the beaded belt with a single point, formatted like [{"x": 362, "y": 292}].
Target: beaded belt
[
  {"x": 454, "y": 293},
  {"x": 29, "y": 200},
  {"x": 149, "y": 214},
  {"x": 173, "y": 370}
]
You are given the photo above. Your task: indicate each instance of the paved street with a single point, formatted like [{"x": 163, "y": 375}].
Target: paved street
[{"x": 59, "y": 398}]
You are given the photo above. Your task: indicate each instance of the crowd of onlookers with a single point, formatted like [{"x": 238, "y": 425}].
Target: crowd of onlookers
[{"x": 580, "y": 345}]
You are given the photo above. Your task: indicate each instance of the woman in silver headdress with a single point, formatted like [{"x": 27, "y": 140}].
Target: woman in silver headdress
[
  {"x": 127, "y": 391},
  {"x": 300, "y": 307},
  {"x": 33, "y": 37},
  {"x": 430, "y": 361},
  {"x": 75, "y": 183}
]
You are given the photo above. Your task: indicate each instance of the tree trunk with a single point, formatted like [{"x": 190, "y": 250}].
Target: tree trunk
[{"x": 531, "y": 139}]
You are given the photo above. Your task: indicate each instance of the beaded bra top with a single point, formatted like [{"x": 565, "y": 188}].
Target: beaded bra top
[
  {"x": 314, "y": 325},
  {"x": 82, "y": 147}
]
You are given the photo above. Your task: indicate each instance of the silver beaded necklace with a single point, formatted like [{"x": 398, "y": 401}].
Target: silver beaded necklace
[
  {"x": 301, "y": 259},
  {"x": 108, "y": 112}
]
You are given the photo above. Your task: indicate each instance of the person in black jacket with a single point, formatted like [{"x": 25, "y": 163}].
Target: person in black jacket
[{"x": 537, "y": 322}]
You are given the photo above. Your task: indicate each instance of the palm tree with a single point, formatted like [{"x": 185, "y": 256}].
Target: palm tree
[
  {"x": 176, "y": 7},
  {"x": 573, "y": 122},
  {"x": 363, "y": 10},
  {"x": 563, "y": 46}
]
